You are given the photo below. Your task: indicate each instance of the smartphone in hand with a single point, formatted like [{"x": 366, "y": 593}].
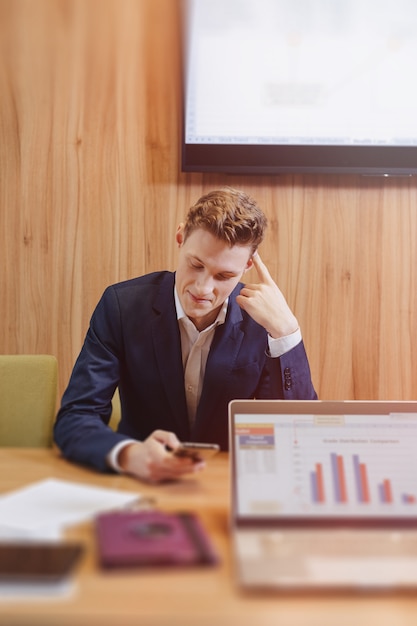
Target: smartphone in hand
[{"x": 196, "y": 451}]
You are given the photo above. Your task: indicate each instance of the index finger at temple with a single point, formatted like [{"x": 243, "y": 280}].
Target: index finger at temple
[{"x": 261, "y": 268}]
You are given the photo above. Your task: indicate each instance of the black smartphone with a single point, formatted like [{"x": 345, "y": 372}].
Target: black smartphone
[
  {"x": 196, "y": 451},
  {"x": 37, "y": 562}
]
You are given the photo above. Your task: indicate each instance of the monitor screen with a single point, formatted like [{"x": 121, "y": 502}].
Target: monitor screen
[{"x": 275, "y": 86}]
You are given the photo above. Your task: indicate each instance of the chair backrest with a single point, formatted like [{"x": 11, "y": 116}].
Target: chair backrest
[
  {"x": 28, "y": 391},
  {"x": 116, "y": 410}
]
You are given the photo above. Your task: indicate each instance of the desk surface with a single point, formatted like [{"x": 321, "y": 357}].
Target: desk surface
[{"x": 176, "y": 597}]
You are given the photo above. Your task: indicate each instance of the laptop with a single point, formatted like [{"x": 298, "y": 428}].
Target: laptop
[{"x": 324, "y": 494}]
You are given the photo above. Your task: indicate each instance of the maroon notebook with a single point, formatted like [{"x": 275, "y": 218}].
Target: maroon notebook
[{"x": 143, "y": 538}]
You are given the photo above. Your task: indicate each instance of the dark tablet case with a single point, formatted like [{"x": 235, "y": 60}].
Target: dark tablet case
[{"x": 149, "y": 538}]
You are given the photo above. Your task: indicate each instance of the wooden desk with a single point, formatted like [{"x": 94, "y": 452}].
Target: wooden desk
[{"x": 207, "y": 597}]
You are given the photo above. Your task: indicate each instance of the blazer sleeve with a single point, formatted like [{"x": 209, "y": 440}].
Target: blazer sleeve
[
  {"x": 287, "y": 377},
  {"x": 81, "y": 430}
]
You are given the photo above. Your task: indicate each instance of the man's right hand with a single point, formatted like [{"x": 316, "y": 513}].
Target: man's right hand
[{"x": 151, "y": 461}]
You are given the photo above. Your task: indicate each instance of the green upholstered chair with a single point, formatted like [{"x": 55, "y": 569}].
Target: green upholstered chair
[
  {"x": 116, "y": 410},
  {"x": 28, "y": 391}
]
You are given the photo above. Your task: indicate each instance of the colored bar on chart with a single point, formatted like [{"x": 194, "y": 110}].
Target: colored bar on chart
[
  {"x": 361, "y": 480},
  {"x": 313, "y": 485},
  {"x": 364, "y": 483},
  {"x": 317, "y": 484},
  {"x": 320, "y": 482},
  {"x": 385, "y": 491},
  {"x": 339, "y": 479},
  {"x": 335, "y": 473},
  {"x": 408, "y": 499}
]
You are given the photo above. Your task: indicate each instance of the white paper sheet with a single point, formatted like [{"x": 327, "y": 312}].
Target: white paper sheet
[{"x": 43, "y": 509}]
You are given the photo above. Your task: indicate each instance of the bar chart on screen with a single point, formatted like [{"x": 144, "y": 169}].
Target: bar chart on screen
[
  {"x": 383, "y": 490},
  {"x": 363, "y": 469},
  {"x": 328, "y": 465}
]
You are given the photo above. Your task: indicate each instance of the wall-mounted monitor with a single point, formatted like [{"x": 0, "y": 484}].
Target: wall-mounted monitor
[{"x": 276, "y": 86}]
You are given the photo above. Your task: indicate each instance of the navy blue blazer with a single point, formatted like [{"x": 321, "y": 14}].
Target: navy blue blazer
[{"x": 133, "y": 342}]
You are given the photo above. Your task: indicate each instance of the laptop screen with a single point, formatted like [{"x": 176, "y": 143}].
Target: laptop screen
[{"x": 298, "y": 460}]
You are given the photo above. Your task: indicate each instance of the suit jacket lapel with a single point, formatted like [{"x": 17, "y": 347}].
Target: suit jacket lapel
[{"x": 167, "y": 344}]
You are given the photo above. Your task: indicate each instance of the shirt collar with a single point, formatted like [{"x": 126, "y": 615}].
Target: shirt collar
[{"x": 220, "y": 319}]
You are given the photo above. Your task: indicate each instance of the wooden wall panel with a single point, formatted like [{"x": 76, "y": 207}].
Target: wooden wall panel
[{"x": 91, "y": 193}]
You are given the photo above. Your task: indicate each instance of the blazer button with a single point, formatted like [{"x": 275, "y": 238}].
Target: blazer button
[{"x": 287, "y": 379}]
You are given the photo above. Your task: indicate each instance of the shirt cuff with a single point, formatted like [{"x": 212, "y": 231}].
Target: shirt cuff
[
  {"x": 278, "y": 347},
  {"x": 112, "y": 457}
]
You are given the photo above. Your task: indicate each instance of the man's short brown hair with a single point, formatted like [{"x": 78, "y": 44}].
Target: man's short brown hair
[{"x": 230, "y": 215}]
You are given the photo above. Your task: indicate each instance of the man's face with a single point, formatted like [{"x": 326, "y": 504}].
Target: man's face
[{"x": 208, "y": 270}]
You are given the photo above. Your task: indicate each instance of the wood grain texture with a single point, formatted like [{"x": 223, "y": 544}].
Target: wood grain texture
[{"x": 91, "y": 193}]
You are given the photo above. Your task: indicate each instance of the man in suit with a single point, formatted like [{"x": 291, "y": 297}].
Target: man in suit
[{"x": 180, "y": 346}]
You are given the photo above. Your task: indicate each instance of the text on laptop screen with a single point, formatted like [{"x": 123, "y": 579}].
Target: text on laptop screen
[{"x": 326, "y": 465}]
